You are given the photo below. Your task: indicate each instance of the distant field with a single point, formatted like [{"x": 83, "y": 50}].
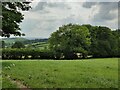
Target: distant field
[
  {"x": 38, "y": 45},
  {"x": 88, "y": 73}
]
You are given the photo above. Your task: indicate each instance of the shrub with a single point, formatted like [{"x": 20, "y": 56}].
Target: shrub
[{"x": 10, "y": 53}]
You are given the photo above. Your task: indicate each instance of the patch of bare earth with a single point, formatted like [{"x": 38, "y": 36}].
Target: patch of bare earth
[{"x": 19, "y": 84}]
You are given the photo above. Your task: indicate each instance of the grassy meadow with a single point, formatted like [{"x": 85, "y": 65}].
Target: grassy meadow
[{"x": 87, "y": 73}]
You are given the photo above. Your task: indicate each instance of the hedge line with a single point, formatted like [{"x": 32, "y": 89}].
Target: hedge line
[{"x": 26, "y": 54}]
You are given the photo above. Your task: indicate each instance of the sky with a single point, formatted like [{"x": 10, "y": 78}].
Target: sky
[{"x": 46, "y": 16}]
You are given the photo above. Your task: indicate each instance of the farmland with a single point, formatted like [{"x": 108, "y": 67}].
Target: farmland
[
  {"x": 84, "y": 73},
  {"x": 62, "y": 45}
]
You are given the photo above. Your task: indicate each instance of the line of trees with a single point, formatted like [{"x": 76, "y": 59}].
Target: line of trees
[
  {"x": 104, "y": 41},
  {"x": 66, "y": 43},
  {"x": 98, "y": 41},
  {"x": 72, "y": 41}
]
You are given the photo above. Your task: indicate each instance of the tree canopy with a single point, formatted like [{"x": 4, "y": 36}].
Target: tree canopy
[
  {"x": 0, "y": 16},
  {"x": 69, "y": 40},
  {"x": 12, "y": 17},
  {"x": 18, "y": 44},
  {"x": 98, "y": 41},
  {"x": 103, "y": 42}
]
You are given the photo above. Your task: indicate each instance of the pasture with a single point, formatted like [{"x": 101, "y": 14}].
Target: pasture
[{"x": 87, "y": 73}]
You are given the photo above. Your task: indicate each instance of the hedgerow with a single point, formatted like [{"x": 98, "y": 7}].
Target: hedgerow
[{"x": 25, "y": 53}]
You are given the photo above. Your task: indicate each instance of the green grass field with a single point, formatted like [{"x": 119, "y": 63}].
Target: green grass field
[{"x": 88, "y": 73}]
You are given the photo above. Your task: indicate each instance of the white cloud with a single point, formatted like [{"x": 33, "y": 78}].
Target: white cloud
[
  {"x": 41, "y": 21},
  {"x": 102, "y": 0}
]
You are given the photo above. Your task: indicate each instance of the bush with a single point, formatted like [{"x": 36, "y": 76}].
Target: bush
[{"x": 15, "y": 53}]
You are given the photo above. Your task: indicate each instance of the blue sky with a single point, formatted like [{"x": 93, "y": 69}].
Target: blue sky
[{"x": 46, "y": 16}]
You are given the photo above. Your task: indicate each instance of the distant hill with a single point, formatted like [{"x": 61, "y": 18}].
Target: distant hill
[
  {"x": 10, "y": 41},
  {"x": 35, "y": 41}
]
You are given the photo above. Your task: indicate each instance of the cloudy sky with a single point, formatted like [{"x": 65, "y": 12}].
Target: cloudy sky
[{"x": 47, "y": 15}]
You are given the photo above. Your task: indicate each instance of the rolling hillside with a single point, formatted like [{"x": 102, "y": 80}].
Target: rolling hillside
[{"x": 29, "y": 42}]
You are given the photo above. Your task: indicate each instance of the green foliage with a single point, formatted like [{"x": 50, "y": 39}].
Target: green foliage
[
  {"x": 116, "y": 33},
  {"x": 12, "y": 17},
  {"x": 38, "y": 45},
  {"x": 98, "y": 41},
  {"x": 18, "y": 44},
  {"x": 88, "y": 73},
  {"x": 0, "y": 16},
  {"x": 26, "y": 53},
  {"x": 104, "y": 42},
  {"x": 2, "y": 44},
  {"x": 34, "y": 43},
  {"x": 69, "y": 40}
]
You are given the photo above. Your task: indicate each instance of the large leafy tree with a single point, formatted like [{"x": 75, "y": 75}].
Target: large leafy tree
[
  {"x": 116, "y": 33},
  {"x": 12, "y": 17},
  {"x": 0, "y": 16},
  {"x": 103, "y": 41},
  {"x": 69, "y": 40}
]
